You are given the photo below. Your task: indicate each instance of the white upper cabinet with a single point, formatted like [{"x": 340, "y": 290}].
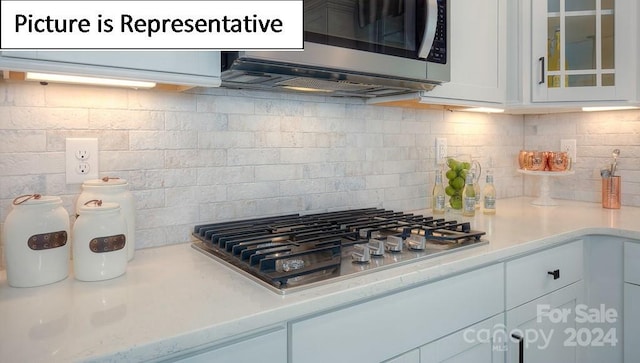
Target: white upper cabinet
[
  {"x": 580, "y": 50},
  {"x": 478, "y": 33},
  {"x": 186, "y": 68}
]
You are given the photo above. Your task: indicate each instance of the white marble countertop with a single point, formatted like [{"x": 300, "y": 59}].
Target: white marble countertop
[{"x": 174, "y": 298}]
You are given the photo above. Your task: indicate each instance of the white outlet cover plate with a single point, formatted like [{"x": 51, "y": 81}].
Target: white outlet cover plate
[
  {"x": 441, "y": 150},
  {"x": 88, "y": 148},
  {"x": 570, "y": 146}
]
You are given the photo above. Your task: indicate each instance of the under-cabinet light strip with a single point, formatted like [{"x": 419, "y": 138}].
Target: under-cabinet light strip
[
  {"x": 484, "y": 109},
  {"x": 63, "y": 78},
  {"x": 608, "y": 108}
]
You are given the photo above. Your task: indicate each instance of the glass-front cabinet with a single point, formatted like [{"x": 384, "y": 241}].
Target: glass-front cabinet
[{"x": 580, "y": 51}]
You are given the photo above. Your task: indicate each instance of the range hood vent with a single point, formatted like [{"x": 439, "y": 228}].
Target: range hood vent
[
  {"x": 327, "y": 86},
  {"x": 249, "y": 71}
]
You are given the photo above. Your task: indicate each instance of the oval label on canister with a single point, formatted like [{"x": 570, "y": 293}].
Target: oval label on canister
[
  {"x": 45, "y": 241},
  {"x": 107, "y": 244}
]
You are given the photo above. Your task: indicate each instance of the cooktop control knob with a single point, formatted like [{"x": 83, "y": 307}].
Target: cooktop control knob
[
  {"x": 416, "y": 242},
  {"x": 376, "y": 247},
  {"x": 394, "y": 244},
  {"x": 361, "y": 253}
]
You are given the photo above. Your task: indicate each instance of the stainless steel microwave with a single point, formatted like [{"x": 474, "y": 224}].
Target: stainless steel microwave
[{"x": 366, "y": 48}]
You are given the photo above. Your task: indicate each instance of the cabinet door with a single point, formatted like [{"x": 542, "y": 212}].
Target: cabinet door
[
  {"x": 580, "y": 50},
  {"x": 631, "y": 266},
  {"x": 631, "y": 302},
  {"x": 385, "y": 327},
  {"x": 190, "y": 68},
  {"x": 412, "y": 356},
  {"x": 631, "y": 322},
  {"x": 603, "y": 281},
  {"x": 268, "y": 347},
  {"x": 478, "y": 54},
  {"x": 484, "y": 342},
  {"x": 537, "y": 337}
]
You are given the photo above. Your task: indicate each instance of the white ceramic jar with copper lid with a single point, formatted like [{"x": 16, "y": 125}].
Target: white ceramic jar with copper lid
[
  {"x": 116, "y": 190},
  {"x": 99, "y": 242},
  {"x": 36, "y": 234}
]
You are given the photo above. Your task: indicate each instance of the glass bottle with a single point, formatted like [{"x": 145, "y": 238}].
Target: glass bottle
[
  {"x": 469, "y": 197},
  {"x": 489, "y": 196},
  {"x": 438, "y": 195},
  {"x": 476, "y": 189},
  {"x": 476, "y": 170}
]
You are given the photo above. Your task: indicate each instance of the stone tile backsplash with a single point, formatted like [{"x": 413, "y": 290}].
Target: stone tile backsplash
[{"x": 217, "y": 154}]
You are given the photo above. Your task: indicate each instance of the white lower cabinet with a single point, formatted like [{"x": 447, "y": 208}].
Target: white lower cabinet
[
  {"x": 631, "y": 302},
  {"x": 543, "y": 330},
  {"x": 484, "y": 342},
  {"x": 268, "y": 347},
  {"x": 631, "y": 322},
  {"x": 542, "y": 292},
  {"x": 386, "y": 327},
  {"x": 603, "y": 281}
]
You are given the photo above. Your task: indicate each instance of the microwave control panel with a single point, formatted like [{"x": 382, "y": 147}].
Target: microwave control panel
[{"x": 438, "y": 52}]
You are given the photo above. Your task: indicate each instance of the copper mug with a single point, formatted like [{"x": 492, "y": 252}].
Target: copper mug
[
  {"x": 536, "y": 161},
  {"x": 558, "y": 161},
  {"x": 522, "y": 159},
  {"x": 532, "y": 160}
]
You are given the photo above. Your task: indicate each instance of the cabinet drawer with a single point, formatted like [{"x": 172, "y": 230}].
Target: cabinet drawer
[
  {"x": 532, "y": 276},
  {"x": 267, "y": 347},
  {"x": 385, "y": 327},
  {"x": 632, "y": 262}
]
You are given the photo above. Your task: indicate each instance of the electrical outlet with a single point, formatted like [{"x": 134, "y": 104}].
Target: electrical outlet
[
  {"x": 83, "y": 168},
  {"x": 82, "y": 154},
  {"x": 569, "y": 145},
  {"x": 441, "y": 150},
  {"x": 81, "y": 159}
]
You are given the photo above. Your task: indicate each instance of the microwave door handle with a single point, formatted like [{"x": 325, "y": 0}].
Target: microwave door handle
[{"x": 429, "y": 28}]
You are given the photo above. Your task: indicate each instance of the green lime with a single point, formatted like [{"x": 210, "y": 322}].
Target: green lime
[
  {"x": 463, "y": 174},
  {"x": 466, "y": 165},
  {"x": 452, "y": 163},
  {"x": 457, "y": 183},
  {"x": 449, "y": 190},
  {"x": 451, "y": 174},
  {"x": 456, "y": 202}
]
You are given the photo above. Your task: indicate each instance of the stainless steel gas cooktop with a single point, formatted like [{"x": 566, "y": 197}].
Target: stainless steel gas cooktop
[{"x": 291, "y": 252}]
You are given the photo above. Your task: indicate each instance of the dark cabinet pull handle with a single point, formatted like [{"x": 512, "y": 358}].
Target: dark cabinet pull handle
[
  {"x": 541, "y": 60},
  {"x": 520, "y": 347},
  {"x": 555, "y": 274}
]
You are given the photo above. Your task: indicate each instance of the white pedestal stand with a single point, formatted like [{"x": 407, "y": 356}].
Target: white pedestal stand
[{"x": 544, "y": 197}]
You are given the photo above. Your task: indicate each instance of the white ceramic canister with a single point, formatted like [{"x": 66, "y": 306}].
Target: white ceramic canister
[
  {"x": 99, "y": 242},
  {"x": 114, "y": 190},
  {"x": 36, "y": 232}
]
